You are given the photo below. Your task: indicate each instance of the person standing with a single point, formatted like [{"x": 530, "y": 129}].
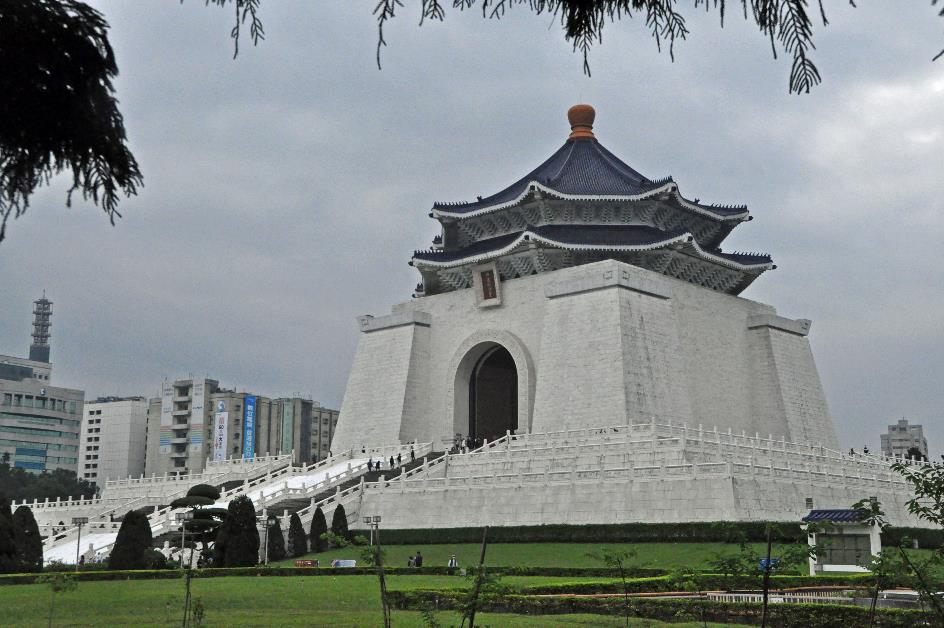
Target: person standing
[
  {"x": 391, "y": 462},
  {"x": 453, "y": 562},
  {"x": 412, "y": 455},
  {"x": 399, "y": 459},
  {"x": 418, "y": 559}
]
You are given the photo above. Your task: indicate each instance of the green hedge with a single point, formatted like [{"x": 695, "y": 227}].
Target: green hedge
[
  {"x": 639, "y": 576},
  {"x": 704, "y": 582},
  {"x": 928, "y": 539},
  {"x": 725, "y": 532},
  {"x": 149, "y": 574},
  {"x": 671, "y": 610}
]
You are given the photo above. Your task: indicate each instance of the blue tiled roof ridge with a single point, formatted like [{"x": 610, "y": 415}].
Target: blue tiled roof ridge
[
  {"x": 834, "y": 514},
  {"x": 587, "y": 235},
  {"x": 581, "y": 169}
]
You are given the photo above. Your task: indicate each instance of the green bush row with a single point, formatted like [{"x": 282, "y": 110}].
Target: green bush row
[
  {"x": 703, "y": 532},
  {"x": 689, "y": 582},
  {"x": 725, "y": 532},
  {"x": 638, "y": 576},
  {"x": 671, "y": 610}
]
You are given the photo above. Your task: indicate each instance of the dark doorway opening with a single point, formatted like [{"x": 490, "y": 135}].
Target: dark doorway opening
[{"x": 493, "y": 395}]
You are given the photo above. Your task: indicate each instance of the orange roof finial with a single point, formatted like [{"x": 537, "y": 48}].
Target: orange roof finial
[{"x": 581, "y": 122}]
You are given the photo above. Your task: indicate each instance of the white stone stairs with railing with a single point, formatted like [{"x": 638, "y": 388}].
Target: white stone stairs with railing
[
  {"x": 101, "y": 512},
  {"x": 274, "y": 486}
]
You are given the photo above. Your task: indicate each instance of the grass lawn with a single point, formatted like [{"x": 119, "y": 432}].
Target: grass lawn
[
  {"x": 252, "y": 601},
  {"x": 660, "y": 555}
]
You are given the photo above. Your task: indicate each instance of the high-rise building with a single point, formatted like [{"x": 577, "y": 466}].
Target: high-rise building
[
  {"x": 903, "y": 437},
  {"x": 323, "y": 423},
  {"x": 112, "y": 444},
  {"x": 196, "y": 420},
  {"x": 39, "y": 423}
]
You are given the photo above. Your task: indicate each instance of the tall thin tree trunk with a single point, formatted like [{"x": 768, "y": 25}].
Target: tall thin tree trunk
[
  {"x": 479, "y": 578},
  {"x": 378, "y": 559},
  {"x": 763, "y": 621}
]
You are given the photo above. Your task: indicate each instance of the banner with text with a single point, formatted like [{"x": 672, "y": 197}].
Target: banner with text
[
  {"x": 219, "y": 435},
  {"x": 249, "y": 427}
]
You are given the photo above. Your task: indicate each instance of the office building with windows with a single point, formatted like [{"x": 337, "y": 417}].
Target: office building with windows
[
  {"x": 39, "y": 423},
  {"x": 196, "y": 420},
  {"x": 902, "y": 438},
  {"x": 323, "y": 423},
  {"x": 112, "y": 444}
]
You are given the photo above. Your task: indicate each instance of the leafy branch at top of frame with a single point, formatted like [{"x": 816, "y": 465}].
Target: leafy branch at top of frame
[{"x": 787, "y": 24}]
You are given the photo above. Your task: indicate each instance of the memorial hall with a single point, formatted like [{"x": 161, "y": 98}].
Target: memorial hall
[{"x": 582, "y": 332}]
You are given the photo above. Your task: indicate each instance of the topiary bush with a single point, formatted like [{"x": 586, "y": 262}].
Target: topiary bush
[
  {"x": 29, "y": 543},
  {"x": 276, "y": 542},
  {"x": 134, "y": 538},
  {"x": 237, "y": 540},
  {"x": 297, "y": 541},
  {"x": 9, "y": 561},
  {"x": 339, "y": 523},
  {"x": 318, "y": 527}
]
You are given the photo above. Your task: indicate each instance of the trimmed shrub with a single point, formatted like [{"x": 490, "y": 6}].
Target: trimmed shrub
[
  {"x": 154, "y": 559},
  {"x": 276, "y": 542},
  {"x": 297, "y": 541},
  {"x": 134, "y": 538},
  {"x": 318, "y": 527},
  {"x": 9, "y": 561},
  {"x": 29, "y": 544},
  {"x": 339, "y": 523},
  {"x": 237, "y": 540},
  {"x": 204, "y": 490}
]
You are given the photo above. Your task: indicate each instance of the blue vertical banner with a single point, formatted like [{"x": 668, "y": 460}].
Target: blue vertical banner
[{"x": 249, "y": 427}]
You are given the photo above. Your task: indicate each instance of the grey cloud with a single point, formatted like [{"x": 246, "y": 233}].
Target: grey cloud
[{"x": 285, "y": 190}]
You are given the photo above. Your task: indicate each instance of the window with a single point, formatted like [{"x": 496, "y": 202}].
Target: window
[
  {"x": 7, "y": 399},
  {"x": 488, "y": 284}
]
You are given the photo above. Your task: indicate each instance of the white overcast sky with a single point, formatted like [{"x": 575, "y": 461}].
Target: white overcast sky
[{"x": 286, "y": 190}]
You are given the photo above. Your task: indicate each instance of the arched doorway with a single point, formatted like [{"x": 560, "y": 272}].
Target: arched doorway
[{"x": 493, "y": 395}]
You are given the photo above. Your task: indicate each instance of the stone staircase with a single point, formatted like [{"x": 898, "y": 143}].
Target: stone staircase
[{"x": 291, "y": 505}]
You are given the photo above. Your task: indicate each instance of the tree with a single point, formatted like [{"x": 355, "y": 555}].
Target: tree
[
  {"x": 927, "y": 481},
  {"x": 20, "y": 484},
  {"x": 915, "y": 454},
  {"x": 59, "y": 111},
  {"x": 318, "y": 527},
  {"x": 237, "y": 543},
  {"x": 134, "y": 539},
  {"x": 29, "y": 543},
  {"x": 297, "y": 541},
  {"x": 787, "y": 24},
  {"x": 276, "y": 541},
  {"x": 339, "y": 522},
  {"x": 618, "y": 560},
  {"x": 58, "y": 583},
  {"x": 9, "y": 561},
  {"x": 205, "y": 522}
]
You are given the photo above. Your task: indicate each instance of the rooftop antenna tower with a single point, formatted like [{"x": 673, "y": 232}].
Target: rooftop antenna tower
[{"x": 42, "y": 313}]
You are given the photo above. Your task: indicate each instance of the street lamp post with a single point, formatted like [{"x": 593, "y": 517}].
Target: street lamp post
[
  {"x": 268, "y": 522},
  {"x": 374, "y": 523},
  {"x": 79, "y": 521},
  {"x": 369, "y": 522},
  {"x": 183, "y": 518}
]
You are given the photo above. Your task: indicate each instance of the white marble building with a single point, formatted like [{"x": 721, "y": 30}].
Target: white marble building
[{"x": 583, "y": 295}]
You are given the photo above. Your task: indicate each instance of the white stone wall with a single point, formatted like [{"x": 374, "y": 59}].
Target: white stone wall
[
  {"x": 645, "y": 500},
  {"x": 600, "y": 344},
  {"x": 389, "y": 356}
]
